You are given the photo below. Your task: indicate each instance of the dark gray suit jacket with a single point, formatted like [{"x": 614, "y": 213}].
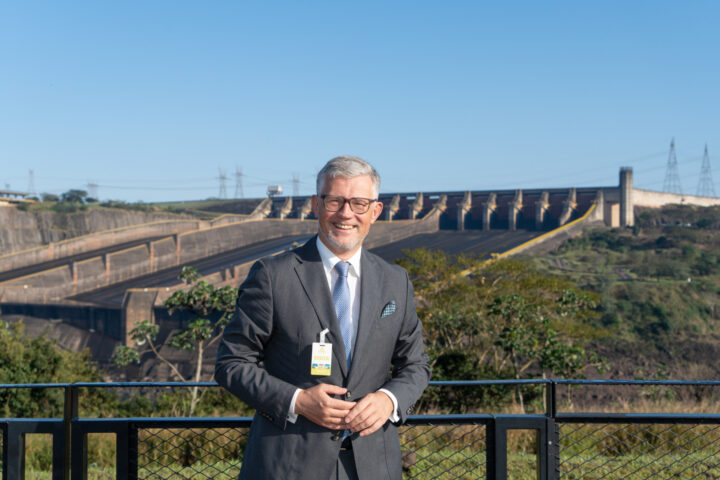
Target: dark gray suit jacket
[{"x": 282, "y": 306}]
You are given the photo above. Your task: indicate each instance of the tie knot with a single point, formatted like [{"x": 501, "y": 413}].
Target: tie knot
[{"x": 342, "y": 268}]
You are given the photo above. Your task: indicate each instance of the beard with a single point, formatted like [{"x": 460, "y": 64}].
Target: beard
[{"x": 341, "y": 246}]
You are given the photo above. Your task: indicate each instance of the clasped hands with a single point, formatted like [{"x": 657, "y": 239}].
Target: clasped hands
[{"x": 363, "y": 417}]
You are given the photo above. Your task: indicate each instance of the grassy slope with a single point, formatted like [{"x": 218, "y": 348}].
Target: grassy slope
[{"x": 659, "y": 288}]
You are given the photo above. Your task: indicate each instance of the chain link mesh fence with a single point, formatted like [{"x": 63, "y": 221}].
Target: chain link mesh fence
[
  {"x": 429, "y": 452},
  {"x": 664, "y": 429},
  {"x": 190, "y": 453},
  {"x": 458, "y": 451},
  {"x": 639, "y": 451},
  {"x": 443, "y": 451}
]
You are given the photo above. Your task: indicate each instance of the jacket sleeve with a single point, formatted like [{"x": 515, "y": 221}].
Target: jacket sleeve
[
  {"x": 410, "y": 366},
  {"x": 242, "y": 349}
]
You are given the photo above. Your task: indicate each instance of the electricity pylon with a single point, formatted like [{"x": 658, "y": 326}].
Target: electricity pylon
[
  {"x": 706, "y": 187},
  {"x": 672, "y": 177}
]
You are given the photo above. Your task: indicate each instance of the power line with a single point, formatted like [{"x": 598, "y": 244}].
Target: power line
[{"x": 706, "y": 188}]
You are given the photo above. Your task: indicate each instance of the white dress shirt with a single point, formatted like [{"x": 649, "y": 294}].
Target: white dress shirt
[{"x": 329, "y": 259}]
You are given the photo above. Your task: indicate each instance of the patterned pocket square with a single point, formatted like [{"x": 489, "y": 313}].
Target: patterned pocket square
[{"x": 388, "y": 309}]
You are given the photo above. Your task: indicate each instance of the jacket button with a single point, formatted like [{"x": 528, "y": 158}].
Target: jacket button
[
  {"x": 336, "y": 436},
  {"x": 348, "y": 395}
]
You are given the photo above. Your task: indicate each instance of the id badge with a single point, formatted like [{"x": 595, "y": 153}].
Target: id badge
[{"x": 321, "y": 359}]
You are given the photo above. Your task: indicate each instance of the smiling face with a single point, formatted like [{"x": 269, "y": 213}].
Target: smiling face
[{"x": 343, "y": 231}]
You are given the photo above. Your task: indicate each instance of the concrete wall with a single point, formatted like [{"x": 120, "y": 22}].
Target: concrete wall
[
  {"x": 98, "y": 239},
  {"x": 25, "y": 230},
  {"x": 87, "y": 275},
  {"x": 103, "y": 320},
  {"x": 104, "y": 239},
  {"x": 382, "y": 233},
  {"x": 551, "y": 240},
  {"x": 647, "y": 198}
]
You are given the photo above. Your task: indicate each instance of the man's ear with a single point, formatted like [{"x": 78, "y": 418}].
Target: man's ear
[
  {"x": 314, "y": 201},
  {"x": 376, "y": 210}
]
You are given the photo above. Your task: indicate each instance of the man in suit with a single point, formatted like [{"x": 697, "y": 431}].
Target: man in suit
[{"x": 339, "y": 423}]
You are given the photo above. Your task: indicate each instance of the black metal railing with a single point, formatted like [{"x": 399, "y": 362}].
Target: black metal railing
[{"x": 548, "y": 444}]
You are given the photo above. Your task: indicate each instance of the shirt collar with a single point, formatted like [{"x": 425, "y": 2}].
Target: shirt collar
[{"x": 329, "y": 259}]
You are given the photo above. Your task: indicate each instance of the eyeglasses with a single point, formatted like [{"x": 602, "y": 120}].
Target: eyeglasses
[{"x": 333, "y": 203}]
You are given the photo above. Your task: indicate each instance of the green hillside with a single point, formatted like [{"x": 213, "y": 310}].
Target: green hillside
[{"x": 659, "y": 289}]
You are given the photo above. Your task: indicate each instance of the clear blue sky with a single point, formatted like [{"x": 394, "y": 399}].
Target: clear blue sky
[{"x": 149, "y": 99}]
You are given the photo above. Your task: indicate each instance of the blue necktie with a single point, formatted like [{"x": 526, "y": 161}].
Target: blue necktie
[{"x": 341, "y": 299}]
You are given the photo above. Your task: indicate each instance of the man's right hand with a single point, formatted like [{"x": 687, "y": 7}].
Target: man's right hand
[{"x": 316, "y": 404}]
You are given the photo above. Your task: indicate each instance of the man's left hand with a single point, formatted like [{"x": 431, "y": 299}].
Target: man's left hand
[{"x": 369, "y": 414}]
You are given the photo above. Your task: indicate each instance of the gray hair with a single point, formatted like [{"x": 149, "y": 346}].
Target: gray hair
[{"x": 348, "y": 167}]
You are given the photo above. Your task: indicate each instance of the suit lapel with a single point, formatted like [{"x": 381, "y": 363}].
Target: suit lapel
[
  {"x": 312, "y": 277},
  {"x": 371, "y": 285}
]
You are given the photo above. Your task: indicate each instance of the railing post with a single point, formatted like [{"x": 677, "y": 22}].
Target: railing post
[
  {"x": 553, "y": 450},
  {"x": 13, "y": 453},
  {"x": 79, "y": 454},
  {"x": 551, "y": 399},
  {"x": 496, "y": 455},
  {"x": 5, "y": 452},
  {"x": 70, "y": 412},
  {"x": 553, "y": 434},
  {"x": 132, "y": 449},
  {"x": 122, "y": 457}
]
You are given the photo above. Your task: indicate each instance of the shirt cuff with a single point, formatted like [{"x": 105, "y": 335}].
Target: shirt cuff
[
  {"x": 292, "y": 416},
  {"x": 394, "y": 417}
]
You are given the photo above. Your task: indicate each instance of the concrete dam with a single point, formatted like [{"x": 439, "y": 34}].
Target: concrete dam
[{"x": 106, "y": 281}]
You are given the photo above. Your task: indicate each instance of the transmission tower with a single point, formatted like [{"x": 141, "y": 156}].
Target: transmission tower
[
  {"x": 296, "y": 185},
  {"x": 672, "y": 177},
  {"x": 238, "y": 183},
  {"x": 706, "y": 187},
  {"x": 92, "y": 190},
  {"x": 31, "y": 183},
  {"x": 222, "y": 178}
]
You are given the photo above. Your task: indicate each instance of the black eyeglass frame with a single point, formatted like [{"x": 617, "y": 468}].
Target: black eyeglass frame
[{"x": 349, "y": 201}]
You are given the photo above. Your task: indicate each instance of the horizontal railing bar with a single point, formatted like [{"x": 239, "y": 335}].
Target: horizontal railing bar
[
  {"x": 181, "y": 421},
  {"x": 661, "y": 418},
  {"x": 470, "y": 383},
  {"x": 30, "y": 420},
  {"x": 143, "y": 384},
  {"x": 35, "y": 385},
  {"x": 563, "y": 381},
  {"x": 414, "y": 419},
  {"x": 454, "y": 383},
  {"x": 436, "y": 383},
  {"x": 455, "y": 419}
]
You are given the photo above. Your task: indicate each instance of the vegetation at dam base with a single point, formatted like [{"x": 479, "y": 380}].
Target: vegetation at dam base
[
  {"x": 504, "y": 320},
  {"x": 210, "y": 309},
  {"x": 657, "y": 285}
]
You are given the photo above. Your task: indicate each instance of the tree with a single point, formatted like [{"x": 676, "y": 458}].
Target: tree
[
  {"x": 210, "y": 308},
  {"x": 499, "y": 320},
  {"x": 74, "y": 196},
  {"x": 40, "y": 360},
  {"x": 527, "y": 337}
]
